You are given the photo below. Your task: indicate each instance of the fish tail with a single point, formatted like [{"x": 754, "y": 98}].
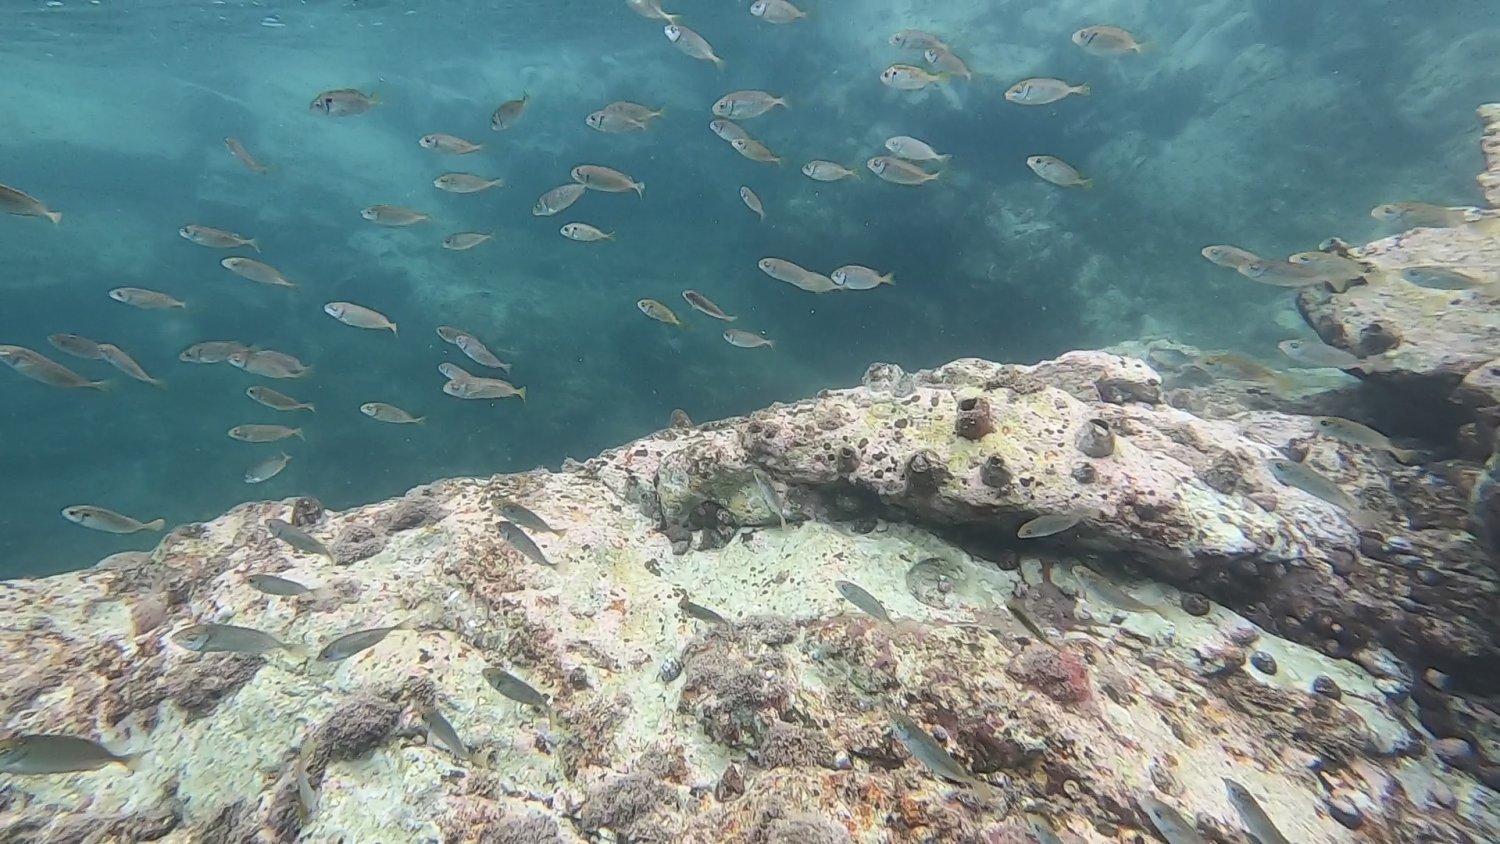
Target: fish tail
[
  {"x": 1086, "y": 184},
  {"x": 1408, "y": 456},
  {"x": 298, "y": 434},
  {"x": 718, "y": 62},
  {"x": 129, "y": 761},
  {"x": 295, "y": 650},
  {"x": 610, "y": 236},
  {"x": 419, "y": 420},
  {"x": 728, "y": 318},
  {"x": 101, "y": 386},
  {"x": 944, "y": 158},
  {"x": 408, "y": 624},
  {"x": 779, "y": 101},
  {"x": 393, "y": 330},
  {"x": 771, "y": 344},
  {"x": 888, "y": 278},
  {"x": 309, "y": 408},
  {"x": 1082, "y": 90},
  {"x": 155, "y": 524},
  {"x": 375, "y": 98},
  {"x": 54, "y": 216},
  {"x": 932, "y": 176},
  {"x": 253, "y": 243},
  {"x": 157, "y": 383},
  {"x": 1143, "y": 47},
  {"x": 639, "y": 188},
  {"x": 522, "y": 393},
  {"x": 985, "y": 791}
]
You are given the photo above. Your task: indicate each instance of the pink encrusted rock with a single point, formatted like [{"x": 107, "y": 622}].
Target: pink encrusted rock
[{"x": 1055, "y": 673}]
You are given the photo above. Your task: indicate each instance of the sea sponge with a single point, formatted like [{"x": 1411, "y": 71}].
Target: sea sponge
[
  {"x": 1058, "y": 674},
  {"x": 626, "y": 804}
]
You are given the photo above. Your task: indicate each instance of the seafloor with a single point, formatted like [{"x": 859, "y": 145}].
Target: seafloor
[{"x": 1344, "y": 673}]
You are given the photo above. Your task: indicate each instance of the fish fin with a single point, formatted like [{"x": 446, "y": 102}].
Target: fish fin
[
  {"x": 521, "y": 391},
  {"x": 944, "y": 158},
  {"x": 771, "y": 344},
  {"x": 54, "y": 216},
  {"x": 779, "y": 101},
  {"x": 1408, "y": 456},
  {"x": 728, "y": 318},
  {"x": 419, "y": 420},
  {"x": 408, "y": 624},
  {"x": 718, "y": 62},
  {"x": 297, "y": 432},
  {"x": 1086, "y": 184},
  {"x": 310, "y": 408},
  {"x": 253, "y": 243},
  {"x": 1082, "y": 90},
  {"x": 157, "y": 383},
  {"x": 295, "y": 650},
  {"x": 888, "y": 278},
  {"x": 101, "y": 386},
  {"x": 155, "y": 524},
  {"x": 610, "y": 236},
  {"x": 130, "y": 761},
  {"x": 394, "y": 332},
  {"x": 640, "y": 189},
  {"x": 375, "y": 98}
]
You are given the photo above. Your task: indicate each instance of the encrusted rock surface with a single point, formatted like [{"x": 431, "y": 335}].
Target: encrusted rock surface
[{"x": 775, "y": 727}]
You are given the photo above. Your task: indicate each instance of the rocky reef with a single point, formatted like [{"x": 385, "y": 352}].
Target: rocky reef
[{"x": 706, "y": 679}]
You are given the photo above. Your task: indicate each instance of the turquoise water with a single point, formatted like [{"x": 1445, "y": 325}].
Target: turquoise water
[{"x": 1267, "y": 124}]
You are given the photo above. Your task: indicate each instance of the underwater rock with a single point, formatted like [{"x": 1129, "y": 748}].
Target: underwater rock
[
  {"x": 974, "y": 419},
  {"x": 1095, "y": 439}
]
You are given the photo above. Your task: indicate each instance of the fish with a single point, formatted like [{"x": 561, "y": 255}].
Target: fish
[
  {"x": 108, "y": 521},
  {"x": 1438, "y": 278},
  {"x": 1240, "y": 368},
  {"x": 754, "y": 150},
  {"x": 119, "y": 359},
  {"x": 776, "y": 11},
  {"x": 1057, "y": 171},
  {"x": 925, "y": 749},
  {"x": 703, "y": 305},
  {"x": 462, "y": 241},
  {"x": 465, "y": 183},
  {"x": 473, "y": 387},
  {"x": 784, "y": 270},
  {"x": 702, "y": 613},
  {"x": 228, "y": 638},
  {"x": 743, "y": 105},
  {"x": 1349, "y": 431},
  {"x": 23, "y": 204},
  {"x": 584, "y": 233},
  {"x": 1020, "y": 614},
  {"x": 856, "y": 277},
  {"x": 344, "y": 102},
  {"x": 1043, "y": 91},
  {"x": 1107, "y": 41},
  {"x": 691, "y": 44},
  {"x": 1420, "y": 215},
  {"x": 1314, "y": 483},
  {"x": 746, "y": 339},
  {"x": 899, "y": 172},
  {"x": 216, "y": 238},
  {"x": 443, "y": 731},
  {"x": 267, "y": 469},
  {"x": 382, "y": 412},
  {"x": 1256, "y": 820},
  {"x": 264, "y": 433},
  {"x": 39, "y": 367},
  {"x": 1228, "y": 256},
  {"x": 915, "y": 39},
  {"x": 1049, "y": 524},
  {"x": 557, "y": 199},
  {"x": 350, "y": 644},
  {"x": 76, "y": 345},
  {"x": 1335, "y": 267},
  {"x": 517, "y": 539},
  {"x": 508, "y": 113},
  {"x": 519, "y": 514},
  {"x": 211, "y": 351},
  {"x": 911, "y": 149},
  {"x": 298, "y": 538},
  {"x": 1320, "y": 355},
  {"x": 270, "y": 364},
  {"x": 659, "y": 312},
  {"x": 827, "y": 171},
  {"x": 769, "y": 495},
  {"x": 1281, "y": 273},
  {"x": 909, "y": 77},
  {"x": 478, "y": 352},
  {"x": 752, "y": 201},
  {"x": 947, "y": 61},
  {"x": 146, "y": 300},
  {"x": 270, "y": 584},
  {"x": 452, "y": 144},
  {"x": 392, "y": 215},
  {"x": 51, "y": 753},
  {"x": 277, "y": 401},
  {"x": 256, "y": 271},
  {"x": 359, "y": 316},
  {"x": 1110, "y": 593},
  {"x": 679, "y": 419},
  {"x": 613, "y": 123},
  {"x": 1172, "y": 825},
  {"x": 728, "y": 130},
  {"x": 243, "y": 156},
  {"x": 867, "y": 603},
  {"x": 515, "y": 688},
  {"x": 634, "y": 111},
  {"x": 607, "y": 179}
]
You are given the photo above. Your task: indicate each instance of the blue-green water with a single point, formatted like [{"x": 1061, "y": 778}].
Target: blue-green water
[{"x": 1268, "y": 124}]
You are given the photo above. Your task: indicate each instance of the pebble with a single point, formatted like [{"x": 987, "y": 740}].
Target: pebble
[
  {"x": 1194, "y": 604},
  {"x": 671, "y": 669},
  {"x": 1244, "y": 635},
  {"x": 1436, "y": 679},
  {"x": 1454, "y": 751},
  {"x": 1263, "y": 662},
  {"x": 1345, "y": 812},
  {"x": 1398, "y": 545},
  {"x": 1325, "y": 686}
]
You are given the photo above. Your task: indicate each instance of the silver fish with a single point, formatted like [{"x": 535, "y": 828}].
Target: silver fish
[
  {"x": 227, "y": 638},
  {"x": 1049, "y": 524},
  {"x": 76, "y": 345},
  {"x": 705, "y": 306},
  {"x": 1318, "y": 355},
  {"x": 212, "y": 351},
  {"x": 1349, "y": 431},
  {"x": 478, "y": 352},
  {"x": 1228, "y": 256},
  {"x": 121, "y": 360},
  {"x": 509, "y": 113},
  {"x": 752, "y": 201},
  {"x": 267, "y": 469},
  {"x": 1282, "y": 273},
  {"x": 443, "y": 731},
  {"x": 350, "y": 644},
  {"x": 557, "y": 199},
  {"x": 1169, "y": 823},
  {"x": 278, "y": 586},
  {"x": 518, "y": 539},
  {"x": 39, "y": 367},
  {"x": 702, "y": 613},
  {"x": 1108, "y": 592},
  {"x": 857, "y": 596},
  {"x": 1020, "y": 614},
  {"x": 343, "y": 102},
  {"x": 519, "y": 514},
  {"x": 1256, "y": 820},
  {"x": 276, "y": 400},
  {"x": 925, "y": 749},
  {"x": 47, "y": 753},
  {"x": 98, "y": 518},
  {"x": 1315, "y": 484},
  {"x": 515, "y": 688},
  {"x": 297, "y": 538},
  {"x": 769, "y": 495}
]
